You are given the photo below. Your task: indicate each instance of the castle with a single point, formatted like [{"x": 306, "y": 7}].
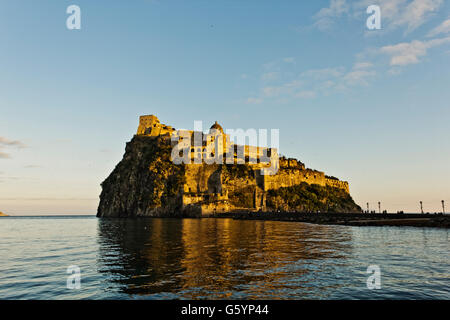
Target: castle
[
  {"x": 214, "y": 188},
  {"x": 215, "y": 145}
]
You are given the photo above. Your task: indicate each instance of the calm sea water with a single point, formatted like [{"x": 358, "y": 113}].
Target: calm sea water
[{"x": 218, "y": 258}]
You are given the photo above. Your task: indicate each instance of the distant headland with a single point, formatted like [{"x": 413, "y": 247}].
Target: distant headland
[
  {"x": 147, "y": 182},
  {"x": 3, "y": 215}
]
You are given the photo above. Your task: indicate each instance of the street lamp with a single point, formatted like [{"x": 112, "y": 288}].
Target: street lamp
[{"x": 443, "y": 207}]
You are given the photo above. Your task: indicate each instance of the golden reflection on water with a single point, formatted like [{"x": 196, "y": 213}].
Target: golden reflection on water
[{"x": 221, "y": 258}]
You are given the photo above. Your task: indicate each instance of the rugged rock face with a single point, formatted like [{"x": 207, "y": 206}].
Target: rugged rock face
[
  {"x": 147, "y": 183},
  {"x": 144, "y": 183}
]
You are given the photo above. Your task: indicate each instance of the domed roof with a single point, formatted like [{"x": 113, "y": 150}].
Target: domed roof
[{"x": 216, "y": 126}]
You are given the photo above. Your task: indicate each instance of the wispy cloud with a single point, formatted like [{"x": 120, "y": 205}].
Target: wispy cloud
[
  {"x": 407, "y": 14},
  {"x": 289, "y": 60},
  {"x": 253, "y": 100},
  {"x": 324, "y": 73},
  {"x": 414, "y": 14},
  {"x": 307, "y": 94},
  {"x": 11, "y": 143},
  {"x": 444, "y": 27},
  {"x": 270, "y": 76},
  {"x": 4, "y": 155},
  {"x": 360, "y": 74},
  {"x": 406, "y": 53},
  {"x": 4, "y": 142},
  {"x": 312, "y": 83},
  {"x": 326, "y": 17}
]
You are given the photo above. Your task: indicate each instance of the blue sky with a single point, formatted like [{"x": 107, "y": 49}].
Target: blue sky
[{"x": 368, "y": 106}]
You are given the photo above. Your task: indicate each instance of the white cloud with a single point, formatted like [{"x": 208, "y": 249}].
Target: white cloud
[
  {"x": 323, "y": 73},
  {"x": 395, "y": 71},
  {"x": 254, "y": 100},
  {"x": 359, "y": 74},
  {"x": 294, "y": 84},
  {"x": 417, "y": 12},
  {"x": 408, "y": 14},
  {"x": 273, "y": 91},
  {"x": 270, "y": 76},
  {"x": 410, "y": 52},
  {"x": 289, "y": 60},
  {"x": 324, "y": 19},
  {"x": 362, "y": 65},
  {"x": 444, "y": 27},
  {"x": 315, "y": 82},
  {"x": 12, "y": 143},
  {"x": 305, "y": 94},
  {"x": 4, "y": 142},
  {"x": 358, "y": 77}
]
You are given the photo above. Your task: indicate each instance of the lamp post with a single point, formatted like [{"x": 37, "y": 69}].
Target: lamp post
[
  {"x": 421, "y": 207},
  {"x": 379, "y": 207},
  {"x": 368, "y": 207},
  {"x": 443, "y": 207}
]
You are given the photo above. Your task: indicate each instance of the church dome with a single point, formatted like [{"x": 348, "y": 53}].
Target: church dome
[{"x": 217, "y": 127}]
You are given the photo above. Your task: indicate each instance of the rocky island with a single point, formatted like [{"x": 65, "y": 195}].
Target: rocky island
[
  {"x": 148, "y": 182},
  {"x": 3, "y": 215}
]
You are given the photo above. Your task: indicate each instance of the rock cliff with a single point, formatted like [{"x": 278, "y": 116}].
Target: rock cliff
[
  {"x": 144, "y": 183},
  {"x": 147, "y": 183}
]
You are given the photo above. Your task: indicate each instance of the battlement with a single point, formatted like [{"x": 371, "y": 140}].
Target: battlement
[{"x": 151, "y": 126}]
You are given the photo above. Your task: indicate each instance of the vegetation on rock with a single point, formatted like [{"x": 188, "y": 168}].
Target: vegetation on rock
[{"x": 311, "y": 198}]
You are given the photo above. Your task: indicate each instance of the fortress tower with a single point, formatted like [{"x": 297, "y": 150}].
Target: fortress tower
[{"x": 151, "y": 126}]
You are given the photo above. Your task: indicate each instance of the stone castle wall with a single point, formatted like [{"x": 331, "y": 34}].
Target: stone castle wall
[
  {"x": 287, "y": 177},
  {"x": 209, "y": 188}
]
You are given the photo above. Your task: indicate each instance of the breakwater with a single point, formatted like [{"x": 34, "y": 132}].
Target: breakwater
[{"x": 351, "y": 219}]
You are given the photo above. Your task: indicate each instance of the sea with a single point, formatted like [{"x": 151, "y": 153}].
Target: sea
[{"x": 84, "y": 257}]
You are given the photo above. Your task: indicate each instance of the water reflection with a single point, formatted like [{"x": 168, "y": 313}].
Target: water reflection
[{"x": 221, "y": 258}]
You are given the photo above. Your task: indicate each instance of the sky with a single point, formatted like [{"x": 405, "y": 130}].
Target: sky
[{"x": 368, "y": 106}]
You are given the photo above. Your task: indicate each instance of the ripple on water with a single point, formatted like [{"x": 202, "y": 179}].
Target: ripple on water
[{"x": 218, "y": 258}]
